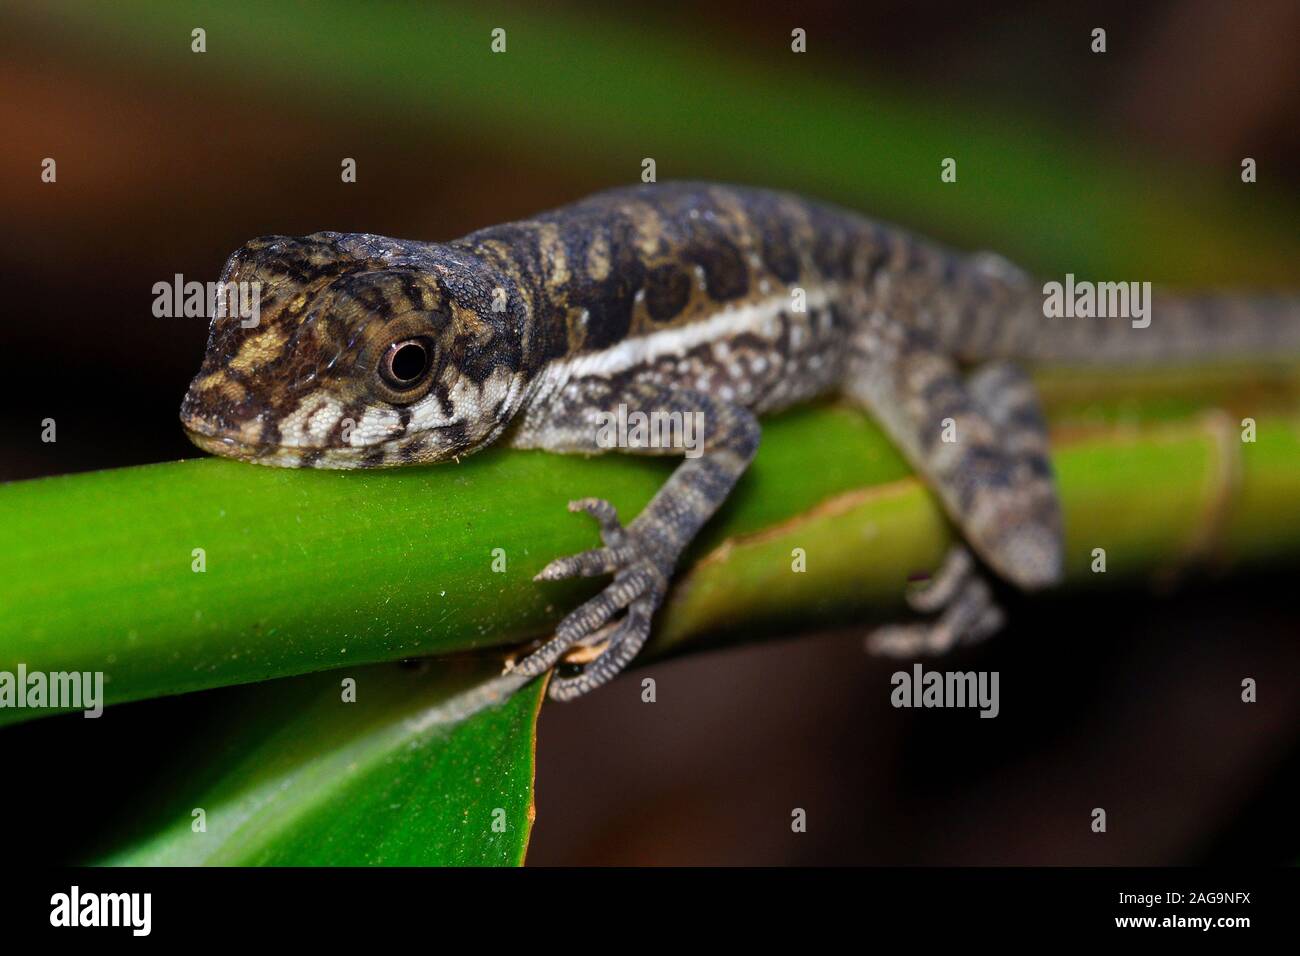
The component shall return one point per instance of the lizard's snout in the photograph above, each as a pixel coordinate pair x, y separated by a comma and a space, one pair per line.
220, 422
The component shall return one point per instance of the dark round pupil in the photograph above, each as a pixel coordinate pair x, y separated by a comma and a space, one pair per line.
408, 361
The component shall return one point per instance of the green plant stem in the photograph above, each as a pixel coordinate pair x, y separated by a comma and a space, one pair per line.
306, 570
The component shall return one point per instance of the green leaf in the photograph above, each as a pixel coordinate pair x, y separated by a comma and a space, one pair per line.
400, 777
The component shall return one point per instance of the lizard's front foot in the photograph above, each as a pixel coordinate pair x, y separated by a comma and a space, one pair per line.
640, 581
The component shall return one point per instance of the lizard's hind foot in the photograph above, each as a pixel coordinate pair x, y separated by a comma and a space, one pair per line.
966, 609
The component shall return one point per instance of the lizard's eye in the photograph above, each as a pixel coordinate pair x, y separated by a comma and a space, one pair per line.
405, 363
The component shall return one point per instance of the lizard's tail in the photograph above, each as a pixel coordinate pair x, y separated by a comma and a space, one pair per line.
1174, 329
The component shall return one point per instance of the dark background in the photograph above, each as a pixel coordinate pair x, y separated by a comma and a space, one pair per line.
1129, 702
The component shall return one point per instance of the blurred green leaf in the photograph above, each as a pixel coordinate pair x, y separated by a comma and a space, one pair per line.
597, 95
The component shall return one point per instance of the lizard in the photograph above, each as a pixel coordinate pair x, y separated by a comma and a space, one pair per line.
720, 301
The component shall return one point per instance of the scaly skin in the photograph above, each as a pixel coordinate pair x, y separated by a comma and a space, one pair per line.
686, 298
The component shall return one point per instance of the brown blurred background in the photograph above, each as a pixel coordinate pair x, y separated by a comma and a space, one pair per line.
166, 163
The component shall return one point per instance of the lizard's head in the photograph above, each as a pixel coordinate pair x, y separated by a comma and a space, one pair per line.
361, 352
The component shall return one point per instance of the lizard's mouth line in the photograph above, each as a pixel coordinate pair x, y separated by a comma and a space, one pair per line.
225, 446
345, 457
